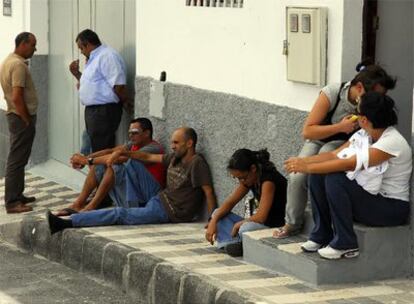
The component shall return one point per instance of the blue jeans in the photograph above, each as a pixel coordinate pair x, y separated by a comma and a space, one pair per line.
86, 147
133, 185
337, 201
140, 184
152, 213
225, 226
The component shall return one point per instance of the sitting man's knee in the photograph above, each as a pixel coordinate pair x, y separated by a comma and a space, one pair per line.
120, 213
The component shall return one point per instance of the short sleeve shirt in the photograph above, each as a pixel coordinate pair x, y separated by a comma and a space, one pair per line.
14, 72
183, 195
345, 107
104, 69
396, 179
276, 216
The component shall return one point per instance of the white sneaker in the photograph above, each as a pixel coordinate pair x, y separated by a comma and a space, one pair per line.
333, 254
310, 246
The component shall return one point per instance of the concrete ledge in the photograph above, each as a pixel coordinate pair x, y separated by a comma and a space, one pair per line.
114, 260
92, 255
377, 260
72, 248
139, 271
231, 297
166, 283
197, 289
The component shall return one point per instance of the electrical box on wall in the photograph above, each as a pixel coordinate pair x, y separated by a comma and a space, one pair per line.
306, 44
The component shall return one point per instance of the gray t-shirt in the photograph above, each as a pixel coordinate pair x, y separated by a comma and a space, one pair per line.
345, 107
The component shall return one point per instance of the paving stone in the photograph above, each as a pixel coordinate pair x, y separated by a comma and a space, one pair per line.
367, 301
231, 297
301, 288
25, 240
10, 232
341, 301
41, 238
72, 243
230, 262
114, 260
197, 290
166, 254
92, 254
262, 274
46, 184
166, 284
32, 178
232, 276
55, 247
204, 250
261, 291
139, 273
409, 297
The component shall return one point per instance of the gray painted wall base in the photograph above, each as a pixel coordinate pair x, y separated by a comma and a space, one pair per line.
384, 254
224, 123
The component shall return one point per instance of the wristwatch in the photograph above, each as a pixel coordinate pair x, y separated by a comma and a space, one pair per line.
90, 161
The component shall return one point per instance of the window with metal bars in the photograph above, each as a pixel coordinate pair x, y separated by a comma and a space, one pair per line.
215, 3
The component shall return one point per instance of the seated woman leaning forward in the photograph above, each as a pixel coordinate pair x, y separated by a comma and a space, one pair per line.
254, 172
366, 180
327, 127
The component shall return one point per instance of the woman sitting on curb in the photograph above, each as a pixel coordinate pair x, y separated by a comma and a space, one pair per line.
328, 126
254, 172
337, 200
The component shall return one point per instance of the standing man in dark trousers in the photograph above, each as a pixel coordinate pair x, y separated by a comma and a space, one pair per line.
102, 89
21, 98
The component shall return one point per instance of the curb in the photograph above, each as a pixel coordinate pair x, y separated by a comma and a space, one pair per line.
144, 277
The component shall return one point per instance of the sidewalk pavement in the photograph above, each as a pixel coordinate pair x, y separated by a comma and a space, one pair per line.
172, 263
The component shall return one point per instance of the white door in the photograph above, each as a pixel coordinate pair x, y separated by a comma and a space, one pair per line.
114, 22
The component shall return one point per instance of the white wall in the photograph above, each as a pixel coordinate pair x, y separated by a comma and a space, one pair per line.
27, 15
236, 50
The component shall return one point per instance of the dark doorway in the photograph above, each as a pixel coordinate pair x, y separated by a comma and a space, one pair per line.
370, 26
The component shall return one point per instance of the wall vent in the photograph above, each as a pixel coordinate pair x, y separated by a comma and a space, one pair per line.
215, 3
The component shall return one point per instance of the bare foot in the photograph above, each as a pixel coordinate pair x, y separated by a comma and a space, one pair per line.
285, 232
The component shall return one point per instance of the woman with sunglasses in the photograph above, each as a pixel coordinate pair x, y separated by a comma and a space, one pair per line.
329, 125
254, 172
337, 200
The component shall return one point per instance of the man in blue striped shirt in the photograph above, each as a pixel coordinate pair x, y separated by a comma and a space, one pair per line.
102, 89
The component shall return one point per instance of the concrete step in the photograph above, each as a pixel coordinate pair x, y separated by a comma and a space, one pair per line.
384, 254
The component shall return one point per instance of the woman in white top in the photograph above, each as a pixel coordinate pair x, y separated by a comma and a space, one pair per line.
327, 127
337, 200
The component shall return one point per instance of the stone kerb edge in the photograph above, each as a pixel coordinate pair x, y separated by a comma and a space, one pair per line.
143, 276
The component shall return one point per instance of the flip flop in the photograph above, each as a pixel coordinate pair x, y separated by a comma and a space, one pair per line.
66, 212
285, 232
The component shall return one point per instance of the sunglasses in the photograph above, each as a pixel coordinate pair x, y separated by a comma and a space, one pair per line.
135, 131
